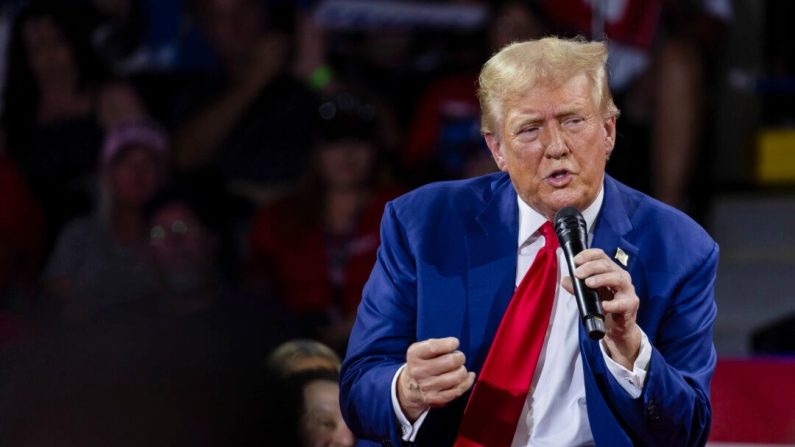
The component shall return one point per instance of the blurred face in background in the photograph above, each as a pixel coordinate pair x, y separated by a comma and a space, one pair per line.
346, 163
49, 53
134, 176
182, 251
514, 22
232, 26
178, 240
322, 424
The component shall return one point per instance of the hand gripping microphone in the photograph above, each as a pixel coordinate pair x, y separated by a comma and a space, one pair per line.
571, 230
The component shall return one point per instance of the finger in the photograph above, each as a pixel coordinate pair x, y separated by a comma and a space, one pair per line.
432, 347
617, 280
619, 306
422, 369
595, 267
439, 398
446, 381
590, 254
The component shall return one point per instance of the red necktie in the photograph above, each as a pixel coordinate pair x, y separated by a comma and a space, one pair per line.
499, 395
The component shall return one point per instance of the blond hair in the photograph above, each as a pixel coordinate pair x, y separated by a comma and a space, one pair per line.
299, 354
520, 66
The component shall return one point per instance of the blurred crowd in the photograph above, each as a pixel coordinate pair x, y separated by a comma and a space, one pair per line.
186, 184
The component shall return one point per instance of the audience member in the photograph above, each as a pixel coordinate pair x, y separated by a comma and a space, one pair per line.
49, 110
300, 355
251, 123
97, 262
313, 249
197, 301
307, 411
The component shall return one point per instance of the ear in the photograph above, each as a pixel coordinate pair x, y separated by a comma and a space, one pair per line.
610, 135
495, 146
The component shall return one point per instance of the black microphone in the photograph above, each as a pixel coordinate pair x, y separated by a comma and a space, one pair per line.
572, 235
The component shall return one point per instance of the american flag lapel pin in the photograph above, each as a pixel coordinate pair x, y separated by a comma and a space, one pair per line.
621, 256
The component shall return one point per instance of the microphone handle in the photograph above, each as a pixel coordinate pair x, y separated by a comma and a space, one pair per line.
587, 298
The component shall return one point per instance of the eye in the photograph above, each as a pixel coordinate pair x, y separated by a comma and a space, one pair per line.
573, 122
328, 424
529, 131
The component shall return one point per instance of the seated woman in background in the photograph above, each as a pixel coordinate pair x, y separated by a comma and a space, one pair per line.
314, 249
307, 412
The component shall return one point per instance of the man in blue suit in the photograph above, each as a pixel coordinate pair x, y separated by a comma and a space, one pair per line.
453, 253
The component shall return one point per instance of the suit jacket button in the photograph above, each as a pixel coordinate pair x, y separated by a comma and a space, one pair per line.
652, 412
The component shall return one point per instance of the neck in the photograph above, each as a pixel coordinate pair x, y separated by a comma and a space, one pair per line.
342, 207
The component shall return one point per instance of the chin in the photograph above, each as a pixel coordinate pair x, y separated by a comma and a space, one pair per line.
562, 200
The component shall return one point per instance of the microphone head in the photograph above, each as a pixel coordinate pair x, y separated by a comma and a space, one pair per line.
569, 224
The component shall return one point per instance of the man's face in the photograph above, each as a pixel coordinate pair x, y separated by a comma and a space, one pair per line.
554, 143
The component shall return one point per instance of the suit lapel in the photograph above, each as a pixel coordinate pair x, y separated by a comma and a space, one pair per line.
491, 268
613, 224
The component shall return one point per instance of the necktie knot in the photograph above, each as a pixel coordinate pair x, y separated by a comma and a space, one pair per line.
550, 238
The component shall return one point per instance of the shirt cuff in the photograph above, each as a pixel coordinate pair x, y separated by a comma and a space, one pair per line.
630, 381
408, 430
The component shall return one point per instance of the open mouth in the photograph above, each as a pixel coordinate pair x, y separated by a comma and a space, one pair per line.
559, 178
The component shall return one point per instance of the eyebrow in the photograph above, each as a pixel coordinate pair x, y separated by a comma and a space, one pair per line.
533, 117
568, 110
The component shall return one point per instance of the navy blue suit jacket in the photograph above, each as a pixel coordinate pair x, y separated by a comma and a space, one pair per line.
447, 267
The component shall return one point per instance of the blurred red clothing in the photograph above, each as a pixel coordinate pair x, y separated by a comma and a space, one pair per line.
21, 242
445, 101
630, 22
289, 245
21, 231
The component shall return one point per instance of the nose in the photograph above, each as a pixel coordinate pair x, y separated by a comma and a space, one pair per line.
553, 141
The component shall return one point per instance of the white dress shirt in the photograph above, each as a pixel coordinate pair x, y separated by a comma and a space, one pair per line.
555, 412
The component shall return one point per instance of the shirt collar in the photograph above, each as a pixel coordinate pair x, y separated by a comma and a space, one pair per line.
531, 220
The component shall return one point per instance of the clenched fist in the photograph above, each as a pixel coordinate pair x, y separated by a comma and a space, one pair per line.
434, 375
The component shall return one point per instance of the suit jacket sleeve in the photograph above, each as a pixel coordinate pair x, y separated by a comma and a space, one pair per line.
674, 407
384, 329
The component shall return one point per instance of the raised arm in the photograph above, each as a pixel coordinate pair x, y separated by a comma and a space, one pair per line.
198, 139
